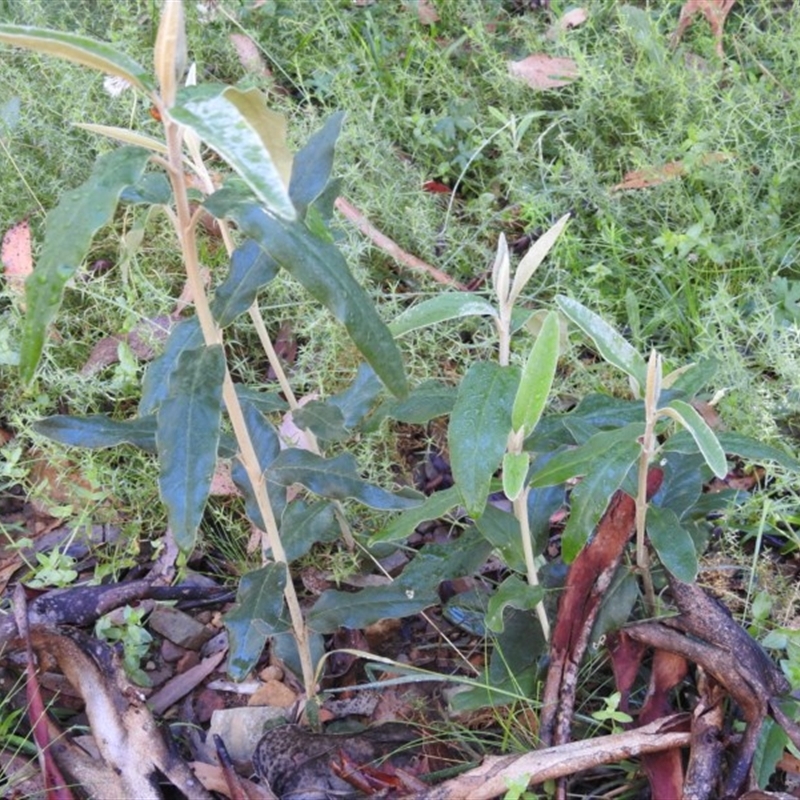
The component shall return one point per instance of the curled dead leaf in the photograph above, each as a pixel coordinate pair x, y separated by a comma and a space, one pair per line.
572, 19
426, 11
541, 71
656, 175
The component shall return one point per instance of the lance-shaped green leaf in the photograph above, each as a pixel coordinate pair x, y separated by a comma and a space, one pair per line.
185, 336
534, 257
312, 165
590, 498
672, 542
169, 53
267, 446
511, 593
322, 270
125, 136
580, 460
356, 400
610, 344
425, 402
259, 603
537, 377
245, 133
79, 49
98, 430
187, 438
69, 229
412, 591
434, 507
706, 439
501, 529
305, 524
336, 478
515, 470
251, 269
323, 419
753, 450
479, 428
450, 305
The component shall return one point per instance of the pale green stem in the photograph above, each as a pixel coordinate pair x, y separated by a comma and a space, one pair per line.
212, 335
521, 513
649, 446
313, 445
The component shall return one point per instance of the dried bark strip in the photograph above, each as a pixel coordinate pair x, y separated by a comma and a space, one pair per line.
589, 578
735, 660
491, 778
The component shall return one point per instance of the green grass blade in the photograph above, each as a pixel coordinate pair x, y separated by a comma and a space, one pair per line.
249, 137
70, 227
80, 49
610, 344
187, 438
537, 377
259, 602
479, 428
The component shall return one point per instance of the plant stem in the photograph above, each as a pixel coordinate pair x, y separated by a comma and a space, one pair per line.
212, 335
649, 444
521, 513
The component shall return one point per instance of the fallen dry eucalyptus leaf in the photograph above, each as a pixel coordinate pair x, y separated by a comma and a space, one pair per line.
16, 255
541, 71
571, 19
656, 175
133, 751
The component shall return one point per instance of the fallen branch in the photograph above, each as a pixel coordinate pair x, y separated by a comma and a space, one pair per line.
492, 778
391, 247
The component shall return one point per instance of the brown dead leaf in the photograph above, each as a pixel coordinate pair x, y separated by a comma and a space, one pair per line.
141, 340
715, 11
249, 55
59, 484
656, 175
222, 484
426, 11
541, 71
16, 255
572, 19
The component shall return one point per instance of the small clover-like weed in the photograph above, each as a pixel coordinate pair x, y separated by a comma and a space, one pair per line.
126, 628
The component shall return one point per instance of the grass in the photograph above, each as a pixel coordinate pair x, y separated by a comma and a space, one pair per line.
688, 266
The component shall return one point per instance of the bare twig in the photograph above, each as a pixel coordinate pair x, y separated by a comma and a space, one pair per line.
492, 778
391, 247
